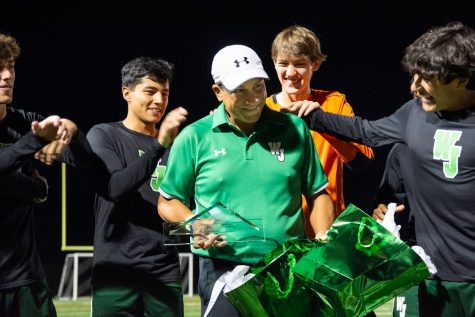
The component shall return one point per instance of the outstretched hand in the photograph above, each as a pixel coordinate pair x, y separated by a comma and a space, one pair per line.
170, 126
301, 108
51, 129
66, 130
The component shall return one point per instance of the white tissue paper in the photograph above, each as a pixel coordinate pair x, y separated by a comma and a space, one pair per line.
388, 221
420, 252
391, 226
237, 278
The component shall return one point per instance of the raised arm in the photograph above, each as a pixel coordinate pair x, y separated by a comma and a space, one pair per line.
115, 180
43, 132
347, 151
379, 132
71, 147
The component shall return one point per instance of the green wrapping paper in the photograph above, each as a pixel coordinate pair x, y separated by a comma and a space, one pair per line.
274, 291
361, 267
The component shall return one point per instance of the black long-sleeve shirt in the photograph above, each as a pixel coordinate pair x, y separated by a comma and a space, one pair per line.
393, 186
17, 154
441, 166
19, 185
128, 230
19, 260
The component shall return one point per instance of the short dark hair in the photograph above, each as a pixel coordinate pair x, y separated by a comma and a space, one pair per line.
444, 52
135, 70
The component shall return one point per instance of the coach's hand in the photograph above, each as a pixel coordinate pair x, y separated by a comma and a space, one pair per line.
204, 236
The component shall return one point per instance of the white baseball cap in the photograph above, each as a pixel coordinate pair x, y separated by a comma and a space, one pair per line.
235, 64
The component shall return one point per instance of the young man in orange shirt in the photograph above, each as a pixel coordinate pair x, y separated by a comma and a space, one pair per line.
297, 56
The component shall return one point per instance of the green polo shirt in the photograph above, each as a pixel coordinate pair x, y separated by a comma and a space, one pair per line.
261, 176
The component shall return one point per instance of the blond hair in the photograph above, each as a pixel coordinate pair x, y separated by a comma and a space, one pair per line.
298, 41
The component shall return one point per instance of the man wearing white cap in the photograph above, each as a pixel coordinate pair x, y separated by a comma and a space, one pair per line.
255, 161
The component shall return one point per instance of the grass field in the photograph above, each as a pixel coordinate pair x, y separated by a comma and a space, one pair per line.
81, 308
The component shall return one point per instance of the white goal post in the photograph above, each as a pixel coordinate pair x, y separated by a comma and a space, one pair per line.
76, 273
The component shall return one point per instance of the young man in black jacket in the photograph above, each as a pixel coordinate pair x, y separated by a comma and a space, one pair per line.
438, 127
23, 288
133, 272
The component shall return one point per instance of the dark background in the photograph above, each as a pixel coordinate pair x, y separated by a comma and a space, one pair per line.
72, 53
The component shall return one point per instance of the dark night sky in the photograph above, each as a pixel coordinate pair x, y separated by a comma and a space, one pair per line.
72, 54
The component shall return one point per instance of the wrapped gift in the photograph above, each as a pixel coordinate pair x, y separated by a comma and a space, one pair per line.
361, 267
273, 289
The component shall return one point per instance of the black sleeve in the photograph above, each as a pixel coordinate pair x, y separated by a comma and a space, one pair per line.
359, 162
21, 120
392, 188
19, 185
16, 155
114, 178
79, 152
379, 132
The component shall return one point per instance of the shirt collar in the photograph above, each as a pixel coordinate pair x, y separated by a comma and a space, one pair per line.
220, 117
268, 116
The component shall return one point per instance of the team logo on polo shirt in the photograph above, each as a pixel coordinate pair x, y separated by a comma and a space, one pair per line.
276, 150
219, 152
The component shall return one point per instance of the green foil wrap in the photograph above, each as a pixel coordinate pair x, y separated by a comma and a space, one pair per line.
274, 291
361, 267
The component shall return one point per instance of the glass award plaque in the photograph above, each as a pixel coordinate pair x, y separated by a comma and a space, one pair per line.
215, 220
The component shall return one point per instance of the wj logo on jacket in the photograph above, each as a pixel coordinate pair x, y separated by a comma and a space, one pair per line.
447, 151
276, 150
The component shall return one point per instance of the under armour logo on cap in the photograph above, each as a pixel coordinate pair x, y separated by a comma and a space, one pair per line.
235, 64
244, 60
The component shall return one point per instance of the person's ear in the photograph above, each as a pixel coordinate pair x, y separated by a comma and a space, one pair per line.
316, 66
126, 93
218, 90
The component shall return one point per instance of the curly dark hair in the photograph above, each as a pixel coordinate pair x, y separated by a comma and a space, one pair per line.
9, 47
444, 53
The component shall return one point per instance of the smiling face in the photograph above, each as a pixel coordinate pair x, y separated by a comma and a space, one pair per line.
436, 95
243, 105
295, 73
147, 102
7, 80
9, 52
